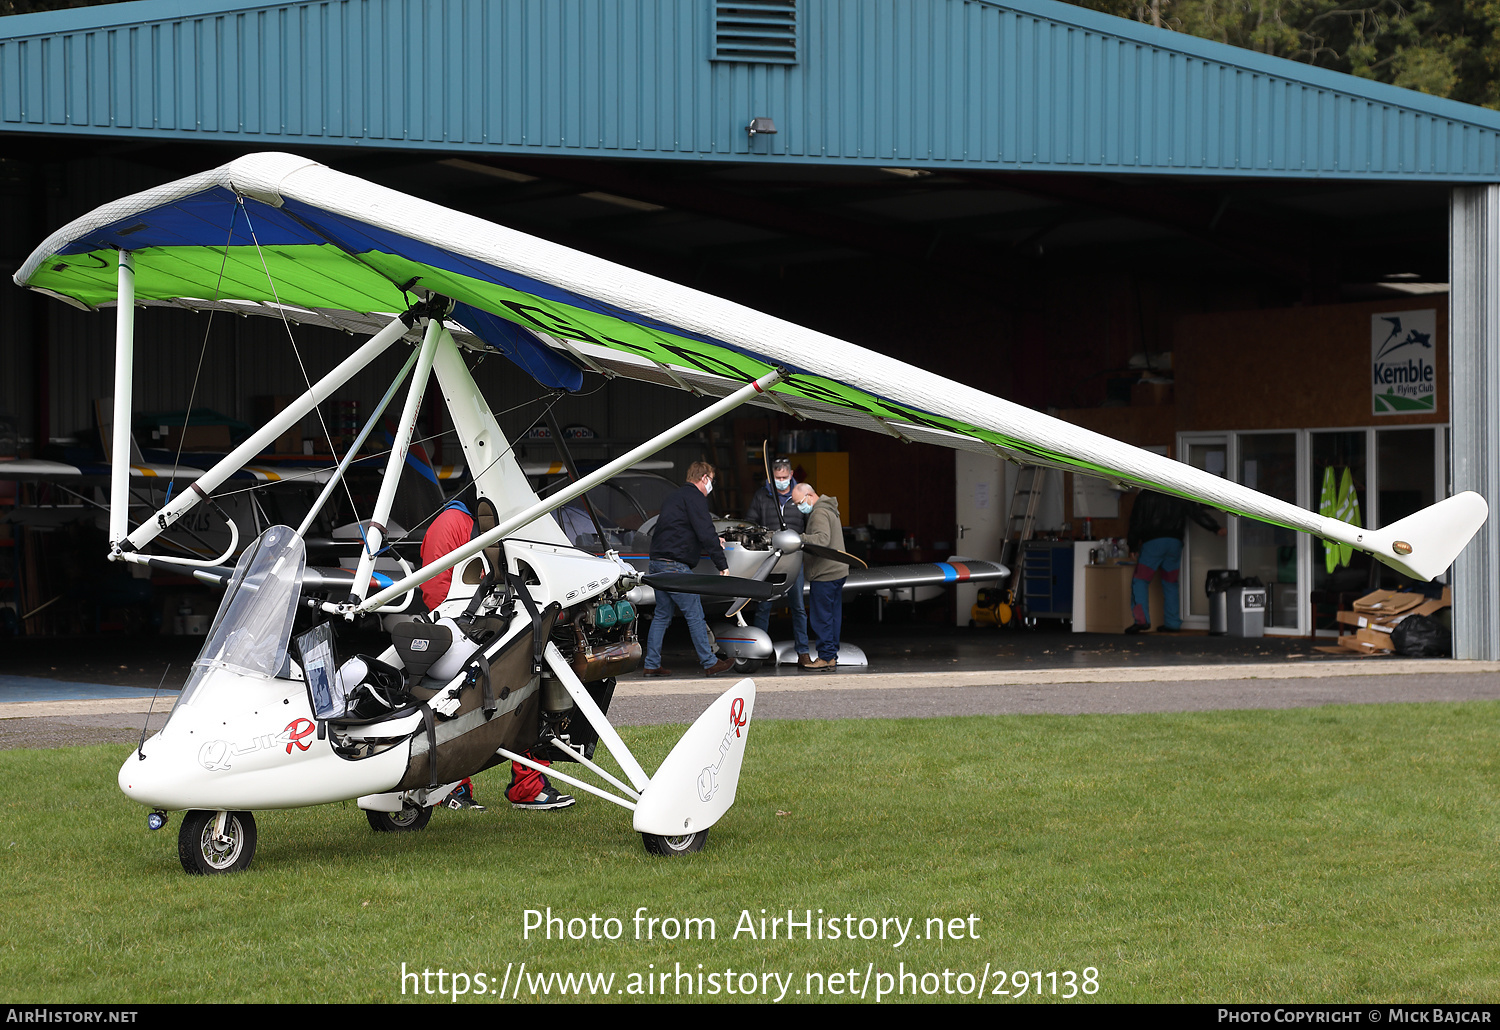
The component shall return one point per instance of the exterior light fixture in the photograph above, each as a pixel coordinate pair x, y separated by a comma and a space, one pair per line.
760, 127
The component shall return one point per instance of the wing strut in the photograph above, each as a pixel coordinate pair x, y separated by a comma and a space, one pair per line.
579, 487
359, 441
258, 441
374, 531
119, 467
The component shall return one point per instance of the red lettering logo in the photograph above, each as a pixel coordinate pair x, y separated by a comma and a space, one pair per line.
737, 714
296, 730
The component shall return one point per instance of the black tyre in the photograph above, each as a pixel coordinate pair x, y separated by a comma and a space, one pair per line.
205, 854
669, 846
410, 819
746, 666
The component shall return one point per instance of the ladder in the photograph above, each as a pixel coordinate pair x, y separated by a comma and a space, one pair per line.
1020, 514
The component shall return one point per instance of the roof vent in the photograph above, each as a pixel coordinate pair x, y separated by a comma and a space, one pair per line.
762, 31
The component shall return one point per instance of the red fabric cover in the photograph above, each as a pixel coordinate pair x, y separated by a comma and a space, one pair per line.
449, 531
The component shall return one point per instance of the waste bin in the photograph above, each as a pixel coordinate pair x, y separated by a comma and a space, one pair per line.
1246, 609
1217, 585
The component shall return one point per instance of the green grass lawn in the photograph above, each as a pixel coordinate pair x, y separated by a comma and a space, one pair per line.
1328, 854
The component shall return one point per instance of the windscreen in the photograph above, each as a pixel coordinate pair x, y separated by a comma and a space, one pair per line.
254, 622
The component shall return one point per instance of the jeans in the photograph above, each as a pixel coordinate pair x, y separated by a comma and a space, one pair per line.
792, 597
668, 605
825, 616
1164, 553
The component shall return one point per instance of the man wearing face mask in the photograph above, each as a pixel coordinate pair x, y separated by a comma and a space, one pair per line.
768, 509
684, 533
825, 577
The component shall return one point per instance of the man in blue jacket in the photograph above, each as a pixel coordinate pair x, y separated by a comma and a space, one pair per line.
684, 533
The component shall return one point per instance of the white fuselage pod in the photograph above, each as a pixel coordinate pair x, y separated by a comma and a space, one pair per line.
246, 741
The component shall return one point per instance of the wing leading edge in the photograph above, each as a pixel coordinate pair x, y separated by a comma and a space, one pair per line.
339, 247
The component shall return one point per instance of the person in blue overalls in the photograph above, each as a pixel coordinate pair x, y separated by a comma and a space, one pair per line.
1157, 523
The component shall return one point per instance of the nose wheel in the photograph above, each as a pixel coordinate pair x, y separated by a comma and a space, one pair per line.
669, 846
410, 819
207, 846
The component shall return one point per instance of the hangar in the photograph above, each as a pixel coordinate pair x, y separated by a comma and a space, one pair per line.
1185, 245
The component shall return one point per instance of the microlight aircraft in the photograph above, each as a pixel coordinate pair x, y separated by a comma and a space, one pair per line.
623, 512
519, 659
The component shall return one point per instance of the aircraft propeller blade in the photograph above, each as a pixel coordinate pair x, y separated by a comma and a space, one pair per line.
833, 553
765, 457
712, 586
760, 575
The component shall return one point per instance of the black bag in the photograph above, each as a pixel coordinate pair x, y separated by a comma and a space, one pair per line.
1423, 636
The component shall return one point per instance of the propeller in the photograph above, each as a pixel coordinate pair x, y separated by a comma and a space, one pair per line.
760, 575
833, 553
765, 457
764, 570
712, 586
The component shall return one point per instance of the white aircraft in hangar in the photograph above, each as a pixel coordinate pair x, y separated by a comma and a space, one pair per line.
516, 658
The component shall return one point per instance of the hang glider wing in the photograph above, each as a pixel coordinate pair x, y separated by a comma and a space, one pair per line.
284, 236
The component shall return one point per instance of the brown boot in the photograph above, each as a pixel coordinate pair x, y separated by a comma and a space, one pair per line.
722, 665
804, 660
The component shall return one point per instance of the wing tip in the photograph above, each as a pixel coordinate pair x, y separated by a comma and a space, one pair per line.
1426, 543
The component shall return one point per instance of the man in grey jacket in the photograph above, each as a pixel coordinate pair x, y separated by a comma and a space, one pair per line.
825, 576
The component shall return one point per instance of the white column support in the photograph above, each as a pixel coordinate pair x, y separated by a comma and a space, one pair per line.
119, 467
607, 735
373, 531
1474, 408
264, 437
487, 452
582, 486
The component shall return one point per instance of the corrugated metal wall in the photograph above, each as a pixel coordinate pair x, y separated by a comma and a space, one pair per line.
971, 83
1474, 331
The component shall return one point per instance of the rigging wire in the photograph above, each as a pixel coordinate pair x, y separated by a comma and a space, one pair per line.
292, 337
373, 455
557, 396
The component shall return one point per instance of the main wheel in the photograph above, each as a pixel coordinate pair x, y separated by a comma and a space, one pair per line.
410, 819
748, 665
203, 853
669, 846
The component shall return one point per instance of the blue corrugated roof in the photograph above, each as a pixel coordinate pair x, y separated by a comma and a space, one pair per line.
1033, 85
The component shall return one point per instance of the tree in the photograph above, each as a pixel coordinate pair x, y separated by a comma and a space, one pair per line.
1449, 48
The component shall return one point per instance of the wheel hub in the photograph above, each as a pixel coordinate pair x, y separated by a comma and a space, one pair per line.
221, 850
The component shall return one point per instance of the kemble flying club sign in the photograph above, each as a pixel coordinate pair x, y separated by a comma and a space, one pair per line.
1403, 362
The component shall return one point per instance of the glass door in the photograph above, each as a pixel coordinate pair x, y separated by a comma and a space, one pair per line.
1203, 550
1268, 462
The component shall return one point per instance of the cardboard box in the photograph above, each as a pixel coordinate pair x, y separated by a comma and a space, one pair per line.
213, 439
1106, 591
1353, 643
1387, 602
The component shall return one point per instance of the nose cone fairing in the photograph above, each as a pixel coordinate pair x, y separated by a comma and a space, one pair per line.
249, 742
